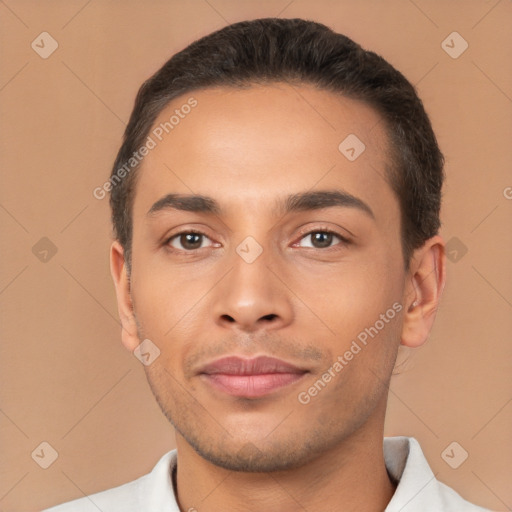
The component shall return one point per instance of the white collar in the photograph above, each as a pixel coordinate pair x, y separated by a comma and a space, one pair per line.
418, 490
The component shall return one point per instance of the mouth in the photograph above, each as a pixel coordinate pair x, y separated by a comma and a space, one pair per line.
250, 378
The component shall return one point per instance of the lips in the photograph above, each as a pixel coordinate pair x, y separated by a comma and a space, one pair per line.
250, 378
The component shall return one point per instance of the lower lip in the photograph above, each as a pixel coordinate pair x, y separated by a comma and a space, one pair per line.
251, 386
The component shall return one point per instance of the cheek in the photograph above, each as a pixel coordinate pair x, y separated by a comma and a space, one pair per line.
349, 297
361, 365
165, 299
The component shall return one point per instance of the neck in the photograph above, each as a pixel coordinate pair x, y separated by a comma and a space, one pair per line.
351, 476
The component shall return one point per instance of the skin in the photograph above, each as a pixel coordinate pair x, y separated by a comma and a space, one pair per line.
301, 301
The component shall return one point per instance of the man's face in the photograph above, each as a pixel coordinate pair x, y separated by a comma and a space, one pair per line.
304, 299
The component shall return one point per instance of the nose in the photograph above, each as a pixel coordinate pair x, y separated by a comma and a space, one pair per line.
252, 297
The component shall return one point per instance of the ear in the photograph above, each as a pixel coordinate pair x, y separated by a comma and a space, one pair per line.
118, 269
425, 283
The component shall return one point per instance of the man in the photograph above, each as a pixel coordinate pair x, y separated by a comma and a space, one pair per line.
276, 211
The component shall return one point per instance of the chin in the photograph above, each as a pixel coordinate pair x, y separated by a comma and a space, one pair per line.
249, 458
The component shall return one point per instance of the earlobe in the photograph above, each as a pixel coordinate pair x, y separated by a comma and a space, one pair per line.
118, 269
423, 291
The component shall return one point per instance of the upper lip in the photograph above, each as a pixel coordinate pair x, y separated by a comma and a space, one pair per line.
234, 365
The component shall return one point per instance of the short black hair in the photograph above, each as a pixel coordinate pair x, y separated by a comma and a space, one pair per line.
296, 51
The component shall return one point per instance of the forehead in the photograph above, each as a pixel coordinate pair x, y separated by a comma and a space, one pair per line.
251, 145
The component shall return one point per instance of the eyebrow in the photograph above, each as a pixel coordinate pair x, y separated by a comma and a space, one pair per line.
302, 201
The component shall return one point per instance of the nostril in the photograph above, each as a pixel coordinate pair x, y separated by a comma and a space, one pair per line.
269, 317
228, 318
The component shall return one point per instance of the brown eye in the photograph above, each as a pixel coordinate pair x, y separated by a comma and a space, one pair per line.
320, 239
188, 241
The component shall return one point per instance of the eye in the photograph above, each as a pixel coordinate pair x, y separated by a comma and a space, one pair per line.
193, 240
321, 239
187, 241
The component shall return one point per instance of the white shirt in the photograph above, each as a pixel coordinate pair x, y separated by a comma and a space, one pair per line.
417, 491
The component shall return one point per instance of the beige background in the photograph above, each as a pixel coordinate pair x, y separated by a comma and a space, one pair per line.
65, 378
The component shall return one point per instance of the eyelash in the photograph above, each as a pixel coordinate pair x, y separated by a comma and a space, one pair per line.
343, 240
